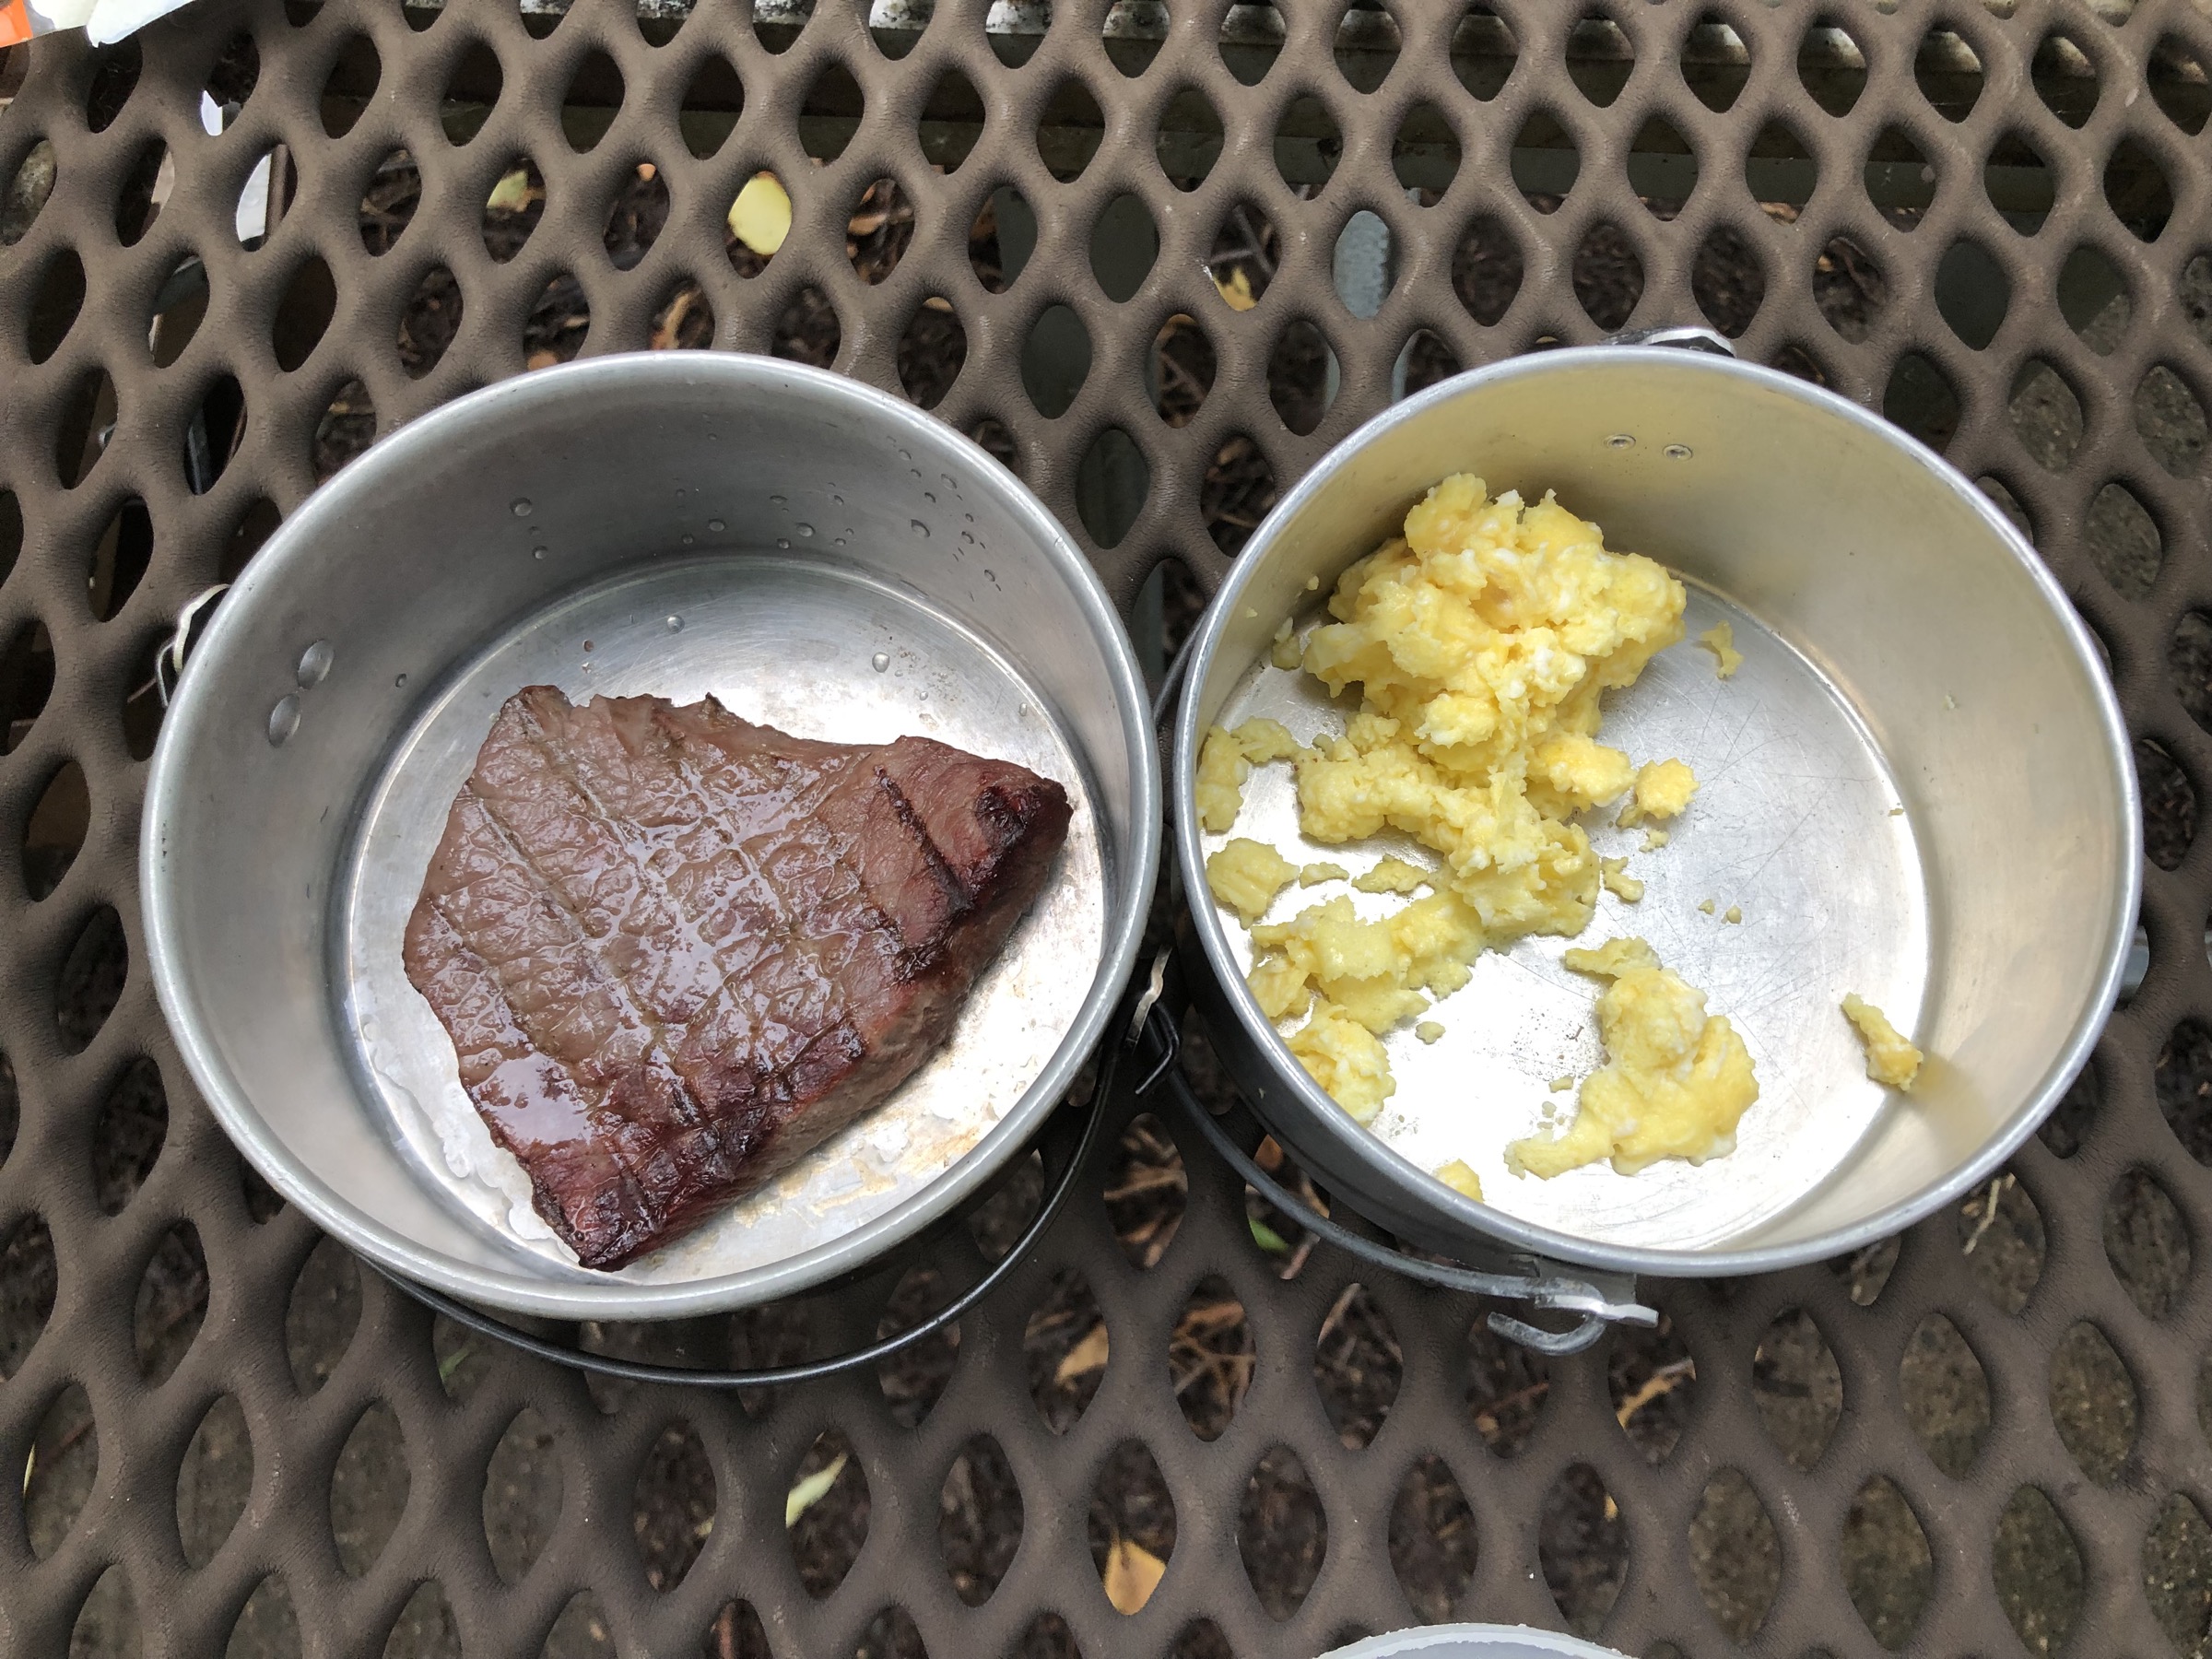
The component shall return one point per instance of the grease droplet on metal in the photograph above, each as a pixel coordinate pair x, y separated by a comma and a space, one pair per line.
688, 538
782, 541
284, 719
675, 625
837, 500
716, 525
1677, 452
804, 529
522, 506
779, 500
1620, 441
537, 552
918, 528
838, 542
880, 662
314, 662
399, 680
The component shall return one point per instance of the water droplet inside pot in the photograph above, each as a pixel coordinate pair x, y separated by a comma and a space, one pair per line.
804, 529
1677, 452
918, 528
930, 496
880, 662
284, 719
314, 662
1620, 441
716, 525
522, 506
399, 680
675, 625
537, 552
779, 501
782, 541
688, 538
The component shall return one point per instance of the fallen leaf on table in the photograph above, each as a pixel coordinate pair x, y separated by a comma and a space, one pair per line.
761, 216
812, 1490
512, 193
1237, 290
1087, 1355
1132, 1573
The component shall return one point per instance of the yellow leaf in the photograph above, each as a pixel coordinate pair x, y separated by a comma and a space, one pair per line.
812, 1490
1087, 1355
1133, 1572
512, 193
761, 216
1237, 290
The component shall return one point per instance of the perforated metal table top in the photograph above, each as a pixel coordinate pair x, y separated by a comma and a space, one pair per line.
1118, 242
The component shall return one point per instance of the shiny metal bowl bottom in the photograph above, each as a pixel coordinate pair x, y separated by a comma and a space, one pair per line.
1917, 788
821, 558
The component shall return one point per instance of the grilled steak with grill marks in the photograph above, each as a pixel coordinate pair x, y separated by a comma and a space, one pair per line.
676, 950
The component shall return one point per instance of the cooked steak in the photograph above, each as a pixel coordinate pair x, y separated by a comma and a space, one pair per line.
676, 950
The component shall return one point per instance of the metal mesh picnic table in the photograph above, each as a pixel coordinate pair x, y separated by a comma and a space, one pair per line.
1158, 258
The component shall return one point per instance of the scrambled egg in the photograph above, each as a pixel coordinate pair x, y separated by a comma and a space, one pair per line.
1226, 760
1314, 875
1246, 874
1719, 639
1394, 874
1460, 1179
1373, 971
1480, 641
1892, 1061
1674, 1083
1346, 1060
1664, 788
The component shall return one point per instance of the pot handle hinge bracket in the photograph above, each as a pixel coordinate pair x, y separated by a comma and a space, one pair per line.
1598, 1300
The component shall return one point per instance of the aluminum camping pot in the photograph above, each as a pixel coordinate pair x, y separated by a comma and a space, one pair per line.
1916, 788
819, 555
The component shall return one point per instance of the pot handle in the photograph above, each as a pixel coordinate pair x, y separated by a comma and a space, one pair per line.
1695, 336
1599, 1298
169, 662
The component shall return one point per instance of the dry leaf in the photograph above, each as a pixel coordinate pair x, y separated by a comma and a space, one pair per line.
1132, 1573
812, 1490
761, 216
1087, 1355
1237, 290
512, 193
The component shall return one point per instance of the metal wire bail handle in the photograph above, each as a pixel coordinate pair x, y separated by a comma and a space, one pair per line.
1600, 1299
169, 662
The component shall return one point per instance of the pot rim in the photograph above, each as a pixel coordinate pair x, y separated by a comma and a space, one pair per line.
1489, 1226
290, 558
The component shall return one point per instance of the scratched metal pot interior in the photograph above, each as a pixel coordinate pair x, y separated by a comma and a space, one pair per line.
818, 556
1916, 788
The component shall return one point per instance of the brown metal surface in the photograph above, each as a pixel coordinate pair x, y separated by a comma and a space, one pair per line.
2042, 182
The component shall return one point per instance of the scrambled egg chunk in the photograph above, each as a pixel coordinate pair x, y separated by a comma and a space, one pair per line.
1664, 788
1892, 1061
1719, 639
1460, 1179
1674, 1083
1226, 760
1246, 874
1346, 1060
1373, 971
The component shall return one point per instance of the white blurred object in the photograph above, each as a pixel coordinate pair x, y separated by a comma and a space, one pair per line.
107, 22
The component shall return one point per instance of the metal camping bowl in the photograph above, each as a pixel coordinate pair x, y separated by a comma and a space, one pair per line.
818, 555
1473, 1641
1916, 788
